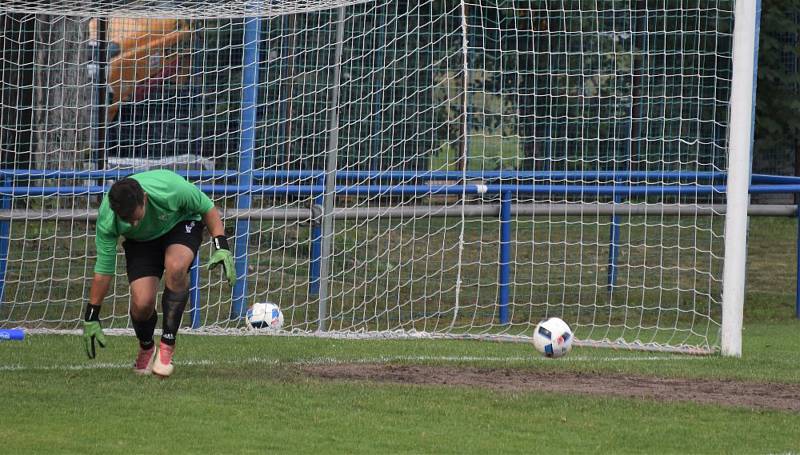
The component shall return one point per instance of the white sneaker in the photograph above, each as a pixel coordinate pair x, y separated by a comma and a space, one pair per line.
144, 361
162, 366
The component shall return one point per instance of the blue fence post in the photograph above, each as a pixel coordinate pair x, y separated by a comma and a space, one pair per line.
5, 229
252, 32
316, 241
797, 268
613, 247
504, 281
194, 292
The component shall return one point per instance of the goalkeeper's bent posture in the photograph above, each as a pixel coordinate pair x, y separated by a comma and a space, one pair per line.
161, 216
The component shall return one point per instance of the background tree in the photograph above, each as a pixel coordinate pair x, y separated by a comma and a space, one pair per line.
62, 95
777, 148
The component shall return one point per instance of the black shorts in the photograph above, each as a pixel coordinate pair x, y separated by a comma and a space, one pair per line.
147, 258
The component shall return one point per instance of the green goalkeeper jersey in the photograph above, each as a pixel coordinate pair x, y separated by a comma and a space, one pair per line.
170, 199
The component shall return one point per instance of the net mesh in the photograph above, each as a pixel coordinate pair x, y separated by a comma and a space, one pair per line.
168, 9
449, 116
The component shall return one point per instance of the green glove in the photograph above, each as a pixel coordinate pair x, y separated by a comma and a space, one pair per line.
91, 332
223, 256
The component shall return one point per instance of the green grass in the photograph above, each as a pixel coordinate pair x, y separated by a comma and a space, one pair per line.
246, 394
771, 269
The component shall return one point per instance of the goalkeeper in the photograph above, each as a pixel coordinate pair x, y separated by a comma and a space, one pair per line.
161, 217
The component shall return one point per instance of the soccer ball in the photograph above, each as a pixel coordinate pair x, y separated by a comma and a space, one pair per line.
264, 316
552, 337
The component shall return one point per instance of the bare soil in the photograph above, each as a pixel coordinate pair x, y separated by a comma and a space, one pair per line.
753, 395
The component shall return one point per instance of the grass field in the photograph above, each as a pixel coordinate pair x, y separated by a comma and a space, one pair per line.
253, 395
246, 394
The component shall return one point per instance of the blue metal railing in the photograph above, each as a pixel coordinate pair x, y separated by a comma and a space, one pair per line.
420, 190
577, 176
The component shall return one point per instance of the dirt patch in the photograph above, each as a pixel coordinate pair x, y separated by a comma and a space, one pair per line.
752, 395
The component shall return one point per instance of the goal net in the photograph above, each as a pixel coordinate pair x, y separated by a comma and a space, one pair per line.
385, 168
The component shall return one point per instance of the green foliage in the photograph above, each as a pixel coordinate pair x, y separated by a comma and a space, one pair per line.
778, 104
580, 87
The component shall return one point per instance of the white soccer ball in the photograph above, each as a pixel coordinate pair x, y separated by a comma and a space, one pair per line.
264, 315
553, 337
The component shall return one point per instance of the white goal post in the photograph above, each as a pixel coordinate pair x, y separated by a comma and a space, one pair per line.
745, 58
395, 168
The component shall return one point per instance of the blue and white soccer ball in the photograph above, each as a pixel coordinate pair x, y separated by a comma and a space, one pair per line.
264, 315
553, 338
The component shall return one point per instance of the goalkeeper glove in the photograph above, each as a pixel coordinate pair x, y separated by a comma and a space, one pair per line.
222, 255
92, 331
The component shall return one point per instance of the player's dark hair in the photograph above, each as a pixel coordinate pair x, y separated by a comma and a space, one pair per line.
125, 196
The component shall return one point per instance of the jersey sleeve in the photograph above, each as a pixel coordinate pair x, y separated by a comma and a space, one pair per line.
193, 200
106, 245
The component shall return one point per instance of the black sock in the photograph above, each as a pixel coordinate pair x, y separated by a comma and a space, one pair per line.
144, 330
172, 304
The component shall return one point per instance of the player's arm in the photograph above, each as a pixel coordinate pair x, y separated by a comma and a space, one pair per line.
100, 285
213, 222
195, 201
103, 273
222, 251
92, 331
